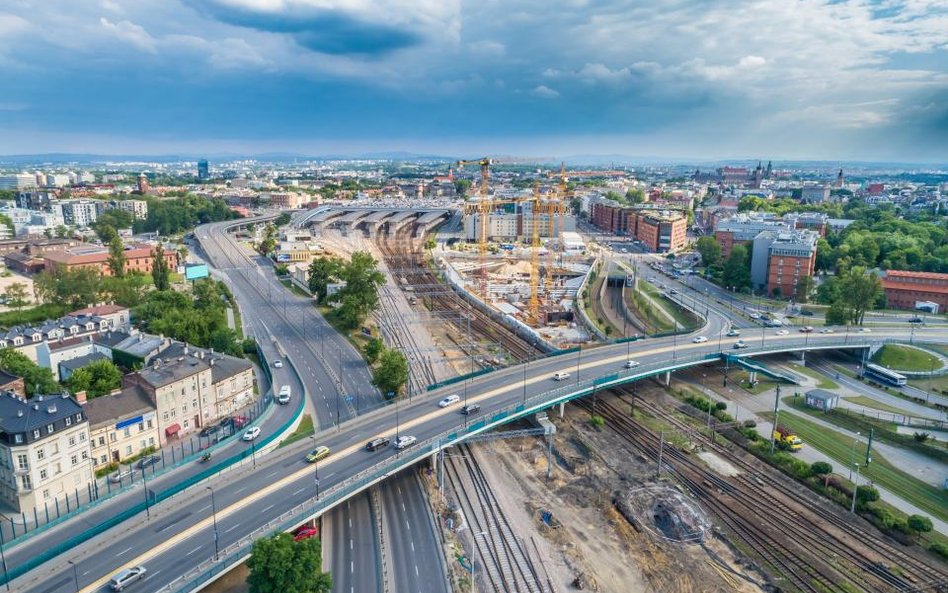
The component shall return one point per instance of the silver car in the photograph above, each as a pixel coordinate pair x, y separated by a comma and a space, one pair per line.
126, 576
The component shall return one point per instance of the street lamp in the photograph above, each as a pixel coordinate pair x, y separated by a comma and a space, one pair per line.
145, 488
75, 575
852, 455
214, 515
852, 507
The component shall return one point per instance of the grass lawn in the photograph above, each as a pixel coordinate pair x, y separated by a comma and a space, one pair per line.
295, 289
685, 320
821, 381
304, 430
927, 498
905, 358
864, 400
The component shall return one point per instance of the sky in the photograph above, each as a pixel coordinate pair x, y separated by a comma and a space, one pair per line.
708, 79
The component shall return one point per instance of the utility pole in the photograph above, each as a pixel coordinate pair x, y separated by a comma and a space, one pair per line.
773, 433
661, 449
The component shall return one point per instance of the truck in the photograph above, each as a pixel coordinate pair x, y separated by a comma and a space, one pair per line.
788, 438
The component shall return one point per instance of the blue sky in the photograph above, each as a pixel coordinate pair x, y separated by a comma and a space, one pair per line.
847, 79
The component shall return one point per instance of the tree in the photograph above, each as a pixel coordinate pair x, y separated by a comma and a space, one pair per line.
919, 523
74, 288
96, 379
710, 250
160, 274
279, 565
821, 468
36, 379
16, 295
63, 231
106, 233
838, 313
7, 222
736, 271
392, 372
360, 295
373, 349
635, 195
117, 258
430, 244
461, 186
283, 219
269, 241
128, 291
804, 288
865, 494
322, 272
859, 290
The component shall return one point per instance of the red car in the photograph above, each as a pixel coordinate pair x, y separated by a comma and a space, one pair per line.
240, 421
304, 532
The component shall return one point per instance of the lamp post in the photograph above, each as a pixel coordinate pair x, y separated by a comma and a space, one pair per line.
316, 467
525, 365
75, 575
852, 507
852, 455
217, 550
145, 488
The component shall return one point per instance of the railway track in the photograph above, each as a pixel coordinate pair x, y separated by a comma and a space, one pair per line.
913, 572
402, 253
505, 563
802, 542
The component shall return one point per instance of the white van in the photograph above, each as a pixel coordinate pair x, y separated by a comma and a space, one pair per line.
284, 395
561, 376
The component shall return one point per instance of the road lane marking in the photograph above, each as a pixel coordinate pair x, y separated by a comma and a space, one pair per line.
232, 528
194, 550
266, 509
125, 551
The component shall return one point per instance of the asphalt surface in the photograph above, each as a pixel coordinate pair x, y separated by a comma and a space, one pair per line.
248, 500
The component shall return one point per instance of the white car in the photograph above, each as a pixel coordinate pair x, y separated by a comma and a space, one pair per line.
404, 441
755, 315
700, 340
733, 332
450, 400
278, 364
631, 364
252, 433
827, 330
126, 576
865, 330
782, 332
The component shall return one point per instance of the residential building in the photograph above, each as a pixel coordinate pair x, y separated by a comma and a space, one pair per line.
17, 181
44, 451
138, 258
143, 186
68, 367
904, 289
780, 259
12, 383
121, 424
57, 180
138, 208
193, 387
85, 178
510, 222
119, 317
815, 193
287, 200
35, 200
80, 213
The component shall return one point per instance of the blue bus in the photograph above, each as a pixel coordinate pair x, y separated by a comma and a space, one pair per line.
884, 375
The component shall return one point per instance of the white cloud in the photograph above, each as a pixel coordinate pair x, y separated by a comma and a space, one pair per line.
544, 92
130, 33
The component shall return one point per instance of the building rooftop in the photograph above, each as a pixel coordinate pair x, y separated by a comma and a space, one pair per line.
81, 361
140, 345
129, 402
99, 310
894, 274
821, 394
24, 416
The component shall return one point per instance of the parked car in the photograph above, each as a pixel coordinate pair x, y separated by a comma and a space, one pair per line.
449, 401
209, 430
126, 576
631, 364
278, 364
240, 421
700, 340
806, 312
378, 443
404, 441
470, 409
252, 433
147, 461
317, 454
304, 532
121, 475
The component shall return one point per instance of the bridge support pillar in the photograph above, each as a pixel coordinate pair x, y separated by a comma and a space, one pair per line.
562, 409
753, 377
803, 357
549, 455
668, 379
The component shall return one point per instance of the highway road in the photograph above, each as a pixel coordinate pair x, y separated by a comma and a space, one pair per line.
249, 500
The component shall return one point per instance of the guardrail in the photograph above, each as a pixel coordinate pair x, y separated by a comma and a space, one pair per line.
157, 497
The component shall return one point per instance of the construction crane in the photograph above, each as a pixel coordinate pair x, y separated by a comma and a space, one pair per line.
534, 311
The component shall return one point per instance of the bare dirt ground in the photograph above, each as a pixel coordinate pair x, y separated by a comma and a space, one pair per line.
234, 581
591, 545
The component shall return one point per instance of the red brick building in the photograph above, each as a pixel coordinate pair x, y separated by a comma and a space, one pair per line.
903, 289
661, 231
138, 259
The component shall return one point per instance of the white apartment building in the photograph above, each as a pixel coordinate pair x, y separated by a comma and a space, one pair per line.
138, 208
17, 181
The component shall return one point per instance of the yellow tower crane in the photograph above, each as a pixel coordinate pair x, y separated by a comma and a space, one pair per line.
534, 311
484, 208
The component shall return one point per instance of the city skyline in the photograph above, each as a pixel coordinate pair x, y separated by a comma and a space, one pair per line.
683, 80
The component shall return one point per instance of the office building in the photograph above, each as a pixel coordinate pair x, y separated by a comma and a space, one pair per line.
780, 258
741, 229
44, 451
204, 171
17, 181
907, 290
662, 231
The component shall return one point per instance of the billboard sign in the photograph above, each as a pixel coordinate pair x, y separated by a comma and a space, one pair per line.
195, 271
